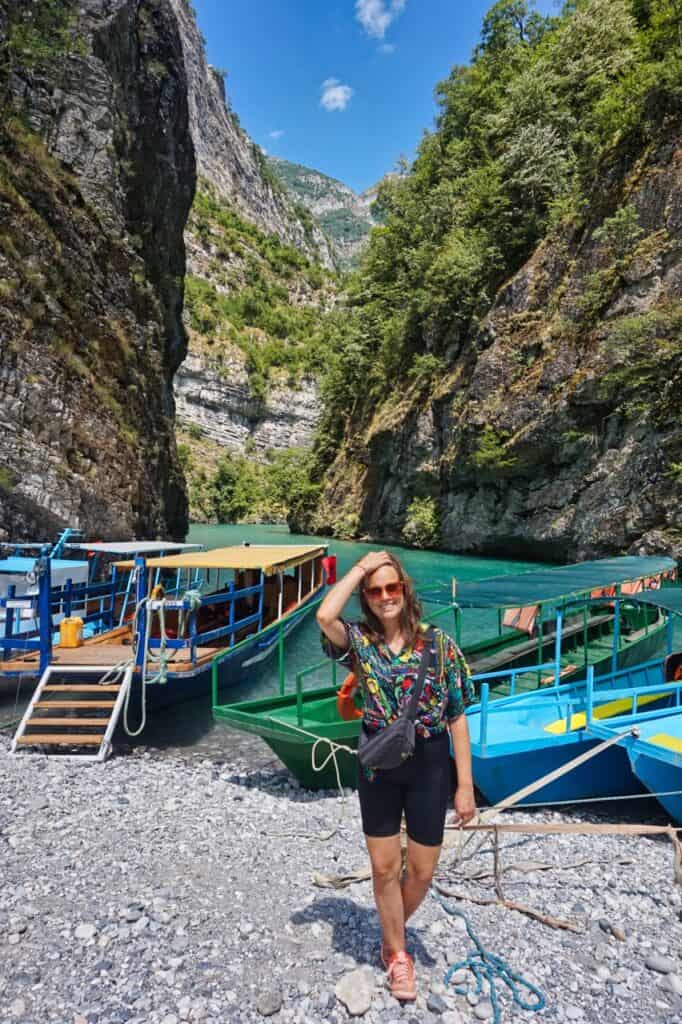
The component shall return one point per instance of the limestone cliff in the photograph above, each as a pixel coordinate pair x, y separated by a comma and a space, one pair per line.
97, 174
230, 160
345, 217
552, 431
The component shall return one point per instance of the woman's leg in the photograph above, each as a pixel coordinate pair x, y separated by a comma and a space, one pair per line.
419, 869
426, 802
384, 855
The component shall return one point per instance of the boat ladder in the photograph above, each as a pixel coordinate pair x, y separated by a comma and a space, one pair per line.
72, 718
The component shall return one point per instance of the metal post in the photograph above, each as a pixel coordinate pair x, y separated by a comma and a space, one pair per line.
9, 619
232, 613
299, 700
112, 603
458, 626
540, 642
140, 595
261, 598
214, 682
280, 656
589, 703
616, 635
669, 633
499, 622
585, 657
44, 608
299, 573
485, 693
557, 649
281, 595
67, 598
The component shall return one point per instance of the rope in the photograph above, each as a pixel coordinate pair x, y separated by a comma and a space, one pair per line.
487, 967
334, 747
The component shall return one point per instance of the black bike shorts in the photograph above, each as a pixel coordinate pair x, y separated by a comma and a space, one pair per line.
422, 788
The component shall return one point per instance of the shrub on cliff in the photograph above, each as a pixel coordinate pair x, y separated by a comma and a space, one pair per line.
422, 524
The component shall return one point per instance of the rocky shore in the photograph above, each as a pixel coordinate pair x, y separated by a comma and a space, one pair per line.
159, 891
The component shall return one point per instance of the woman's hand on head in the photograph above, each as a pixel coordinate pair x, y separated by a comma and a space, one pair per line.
372, 561
465, 804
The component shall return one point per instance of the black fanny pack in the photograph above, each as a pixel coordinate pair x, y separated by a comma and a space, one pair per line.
394, 744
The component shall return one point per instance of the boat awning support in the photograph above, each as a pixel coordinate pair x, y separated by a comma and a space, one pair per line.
44, 608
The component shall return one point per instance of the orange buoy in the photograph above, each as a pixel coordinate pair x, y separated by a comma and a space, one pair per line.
345, 699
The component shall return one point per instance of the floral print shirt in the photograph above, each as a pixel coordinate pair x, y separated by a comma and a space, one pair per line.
387, 679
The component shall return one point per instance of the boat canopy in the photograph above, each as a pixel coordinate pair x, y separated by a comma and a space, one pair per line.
24, 564
669, 599
268, 558
133, 547
559, 584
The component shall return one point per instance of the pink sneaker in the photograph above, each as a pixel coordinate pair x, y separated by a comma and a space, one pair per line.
402, 977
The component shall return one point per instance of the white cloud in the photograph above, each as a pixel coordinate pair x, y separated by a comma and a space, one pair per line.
386, 48
276, 134
376, 15
335, 96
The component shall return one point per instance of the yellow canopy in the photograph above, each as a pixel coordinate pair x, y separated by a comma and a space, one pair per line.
270, 558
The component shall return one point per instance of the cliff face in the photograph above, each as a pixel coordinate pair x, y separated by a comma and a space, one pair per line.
93, 199
553, 431
255, 284
230, 160
219, 401
345, 217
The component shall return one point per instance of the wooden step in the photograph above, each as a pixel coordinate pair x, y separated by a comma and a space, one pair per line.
65, 721
57, 705
82, 688
57, 740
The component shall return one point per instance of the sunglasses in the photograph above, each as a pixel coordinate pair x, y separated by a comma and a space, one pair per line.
390, 590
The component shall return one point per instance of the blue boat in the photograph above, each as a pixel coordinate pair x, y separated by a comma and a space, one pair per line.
654, 749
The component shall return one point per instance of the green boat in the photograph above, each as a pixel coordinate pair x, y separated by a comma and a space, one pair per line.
580, 615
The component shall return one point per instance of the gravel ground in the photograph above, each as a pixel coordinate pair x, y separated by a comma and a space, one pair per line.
155, 890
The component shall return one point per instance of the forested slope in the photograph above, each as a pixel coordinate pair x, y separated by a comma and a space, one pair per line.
506, 372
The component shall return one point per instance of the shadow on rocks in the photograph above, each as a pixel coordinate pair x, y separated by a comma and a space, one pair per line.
355, 929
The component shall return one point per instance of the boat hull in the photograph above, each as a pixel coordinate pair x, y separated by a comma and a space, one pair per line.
660, 776
607, 774
232, 666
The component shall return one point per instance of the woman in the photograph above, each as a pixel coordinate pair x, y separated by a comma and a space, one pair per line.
385, 651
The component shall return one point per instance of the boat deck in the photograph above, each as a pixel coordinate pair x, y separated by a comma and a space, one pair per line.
106, 655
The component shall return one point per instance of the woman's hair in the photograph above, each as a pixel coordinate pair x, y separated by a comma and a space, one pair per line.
410, 615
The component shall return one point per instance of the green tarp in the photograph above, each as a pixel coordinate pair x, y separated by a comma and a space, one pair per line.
669, 599
556, 585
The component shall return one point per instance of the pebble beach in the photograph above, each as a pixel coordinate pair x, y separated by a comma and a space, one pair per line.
159, 890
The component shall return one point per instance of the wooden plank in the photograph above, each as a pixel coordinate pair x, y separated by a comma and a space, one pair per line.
56, 739
82, 688
66, 721
57, 705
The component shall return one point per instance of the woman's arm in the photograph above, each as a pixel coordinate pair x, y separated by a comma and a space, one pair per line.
329, 612
465, 805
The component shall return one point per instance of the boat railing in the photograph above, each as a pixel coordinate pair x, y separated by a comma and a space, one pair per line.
635, 693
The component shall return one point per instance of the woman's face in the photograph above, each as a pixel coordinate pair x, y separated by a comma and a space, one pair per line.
384, 593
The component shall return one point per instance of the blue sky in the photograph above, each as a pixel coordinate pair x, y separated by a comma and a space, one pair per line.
344, 86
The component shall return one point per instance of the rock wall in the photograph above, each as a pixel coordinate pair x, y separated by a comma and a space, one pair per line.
219, 401
554, 433
93, 200
229, 159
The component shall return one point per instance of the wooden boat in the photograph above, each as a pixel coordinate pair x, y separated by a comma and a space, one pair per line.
586, 619
175, 648
89, 587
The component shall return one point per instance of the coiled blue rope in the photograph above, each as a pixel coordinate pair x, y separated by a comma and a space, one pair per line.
486, 966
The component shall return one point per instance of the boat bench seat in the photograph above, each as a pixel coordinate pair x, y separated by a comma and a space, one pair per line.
664, 739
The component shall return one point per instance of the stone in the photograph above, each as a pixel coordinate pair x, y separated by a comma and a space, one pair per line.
355, 991
18, 1008
85, 932
672, 983
269, 1002
483, 1010
435, 1003
170, 1018
661, 964
452, 1017
573, 1013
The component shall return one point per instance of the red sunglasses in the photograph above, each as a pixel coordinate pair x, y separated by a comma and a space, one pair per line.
391, 590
